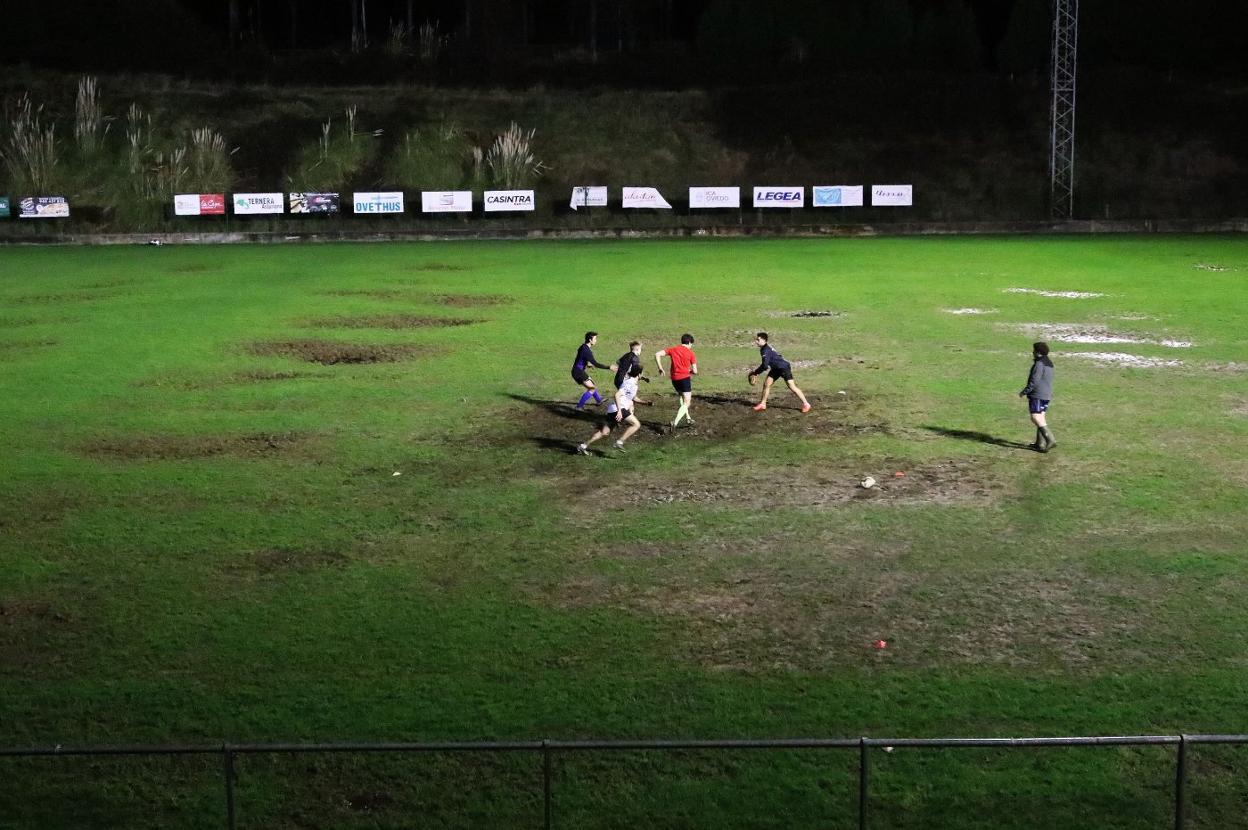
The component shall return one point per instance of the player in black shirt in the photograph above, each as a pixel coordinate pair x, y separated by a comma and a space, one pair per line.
774, 366
580, 369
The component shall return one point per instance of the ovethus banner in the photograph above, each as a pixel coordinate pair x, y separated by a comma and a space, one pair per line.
315, 203
43, 207
779, 197
714, 197
250, 204
372, 202
496, 200
836, 195
892, 194
588, 197
5, 210
446, 201
199, 204
644, 197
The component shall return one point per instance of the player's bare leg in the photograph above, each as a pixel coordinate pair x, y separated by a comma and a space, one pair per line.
685, 399
793, 388
762, 403
583, 449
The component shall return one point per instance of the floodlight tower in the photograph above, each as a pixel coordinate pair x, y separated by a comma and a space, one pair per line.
1062, 108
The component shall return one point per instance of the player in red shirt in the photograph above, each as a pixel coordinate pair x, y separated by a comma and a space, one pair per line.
684, 367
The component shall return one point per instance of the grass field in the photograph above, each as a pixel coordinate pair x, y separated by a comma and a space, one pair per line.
323, 493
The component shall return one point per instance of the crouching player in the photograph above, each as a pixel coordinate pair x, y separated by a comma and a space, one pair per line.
774, 366
619, 413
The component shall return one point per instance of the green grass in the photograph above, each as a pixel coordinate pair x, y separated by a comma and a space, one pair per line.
203, 541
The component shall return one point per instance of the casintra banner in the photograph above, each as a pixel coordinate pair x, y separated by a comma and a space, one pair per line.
372, 202
251, 204
446, 201
836, 195
892, 195
501, 200
714, 197
779, 197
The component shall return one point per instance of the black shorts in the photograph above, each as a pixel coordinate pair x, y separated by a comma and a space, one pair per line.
609, 423
776, 373
580, 375
683, 386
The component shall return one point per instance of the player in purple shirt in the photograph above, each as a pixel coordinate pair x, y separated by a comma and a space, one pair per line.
580, 369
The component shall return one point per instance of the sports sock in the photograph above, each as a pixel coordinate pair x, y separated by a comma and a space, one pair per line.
597, 397
585, 398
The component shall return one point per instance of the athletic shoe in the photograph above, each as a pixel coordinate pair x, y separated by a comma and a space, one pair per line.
759, 407
582, 449
619, 446
805, 407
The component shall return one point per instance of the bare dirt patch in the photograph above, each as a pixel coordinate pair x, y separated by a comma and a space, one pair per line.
194, 268
1123, 359
374, 293
64, 297
1086, 333
814, 313
969, 310
331, 353
16, 611
25, 345
1240, 409
283, 560
389, 321
473, 300
1067, 295
182, 447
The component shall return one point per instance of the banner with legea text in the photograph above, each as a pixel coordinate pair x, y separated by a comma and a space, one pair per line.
446, 201
714, 197
892, 195
500, 200
779, 197
252, 204
836, 195
370, 202
595, 196
644, 197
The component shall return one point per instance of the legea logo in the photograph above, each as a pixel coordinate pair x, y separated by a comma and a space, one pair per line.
780, 196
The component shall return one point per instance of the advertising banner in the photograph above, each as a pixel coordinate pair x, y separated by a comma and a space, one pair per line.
893, 195
315, 203
250, 204
186, 204
779, 197
836, 195
43, 207
714, 197
496, 200
446, 201
644, 197
5, 210
588, 197
199, 204
212, 204
371, 202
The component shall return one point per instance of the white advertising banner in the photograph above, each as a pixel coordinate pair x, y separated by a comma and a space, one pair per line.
896, 195
186, 204
779, 197
714, 197
498, 200
254, 203
446, 201
836, 195
588, 197
644, 197
371, 202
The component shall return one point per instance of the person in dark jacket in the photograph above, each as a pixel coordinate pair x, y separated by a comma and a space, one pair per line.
580, 369
775, 367
1039, 391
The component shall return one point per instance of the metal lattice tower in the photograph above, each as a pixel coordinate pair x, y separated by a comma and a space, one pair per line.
1062, 110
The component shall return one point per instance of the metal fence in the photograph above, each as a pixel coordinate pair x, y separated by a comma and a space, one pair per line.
548, 749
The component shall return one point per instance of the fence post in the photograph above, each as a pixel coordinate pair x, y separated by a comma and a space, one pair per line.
227, 766
1180, 785
863, 782
546, 800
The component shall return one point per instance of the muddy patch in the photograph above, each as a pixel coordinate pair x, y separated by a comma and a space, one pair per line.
1084, 333
194, 268
389, 321
237, 379
1240, 409
969, 310
10, 346
804, 313
184, 447
1134, 361
14, 612
373, 293
473, 300
64, 297
285, 560
331, 353
1068, 295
